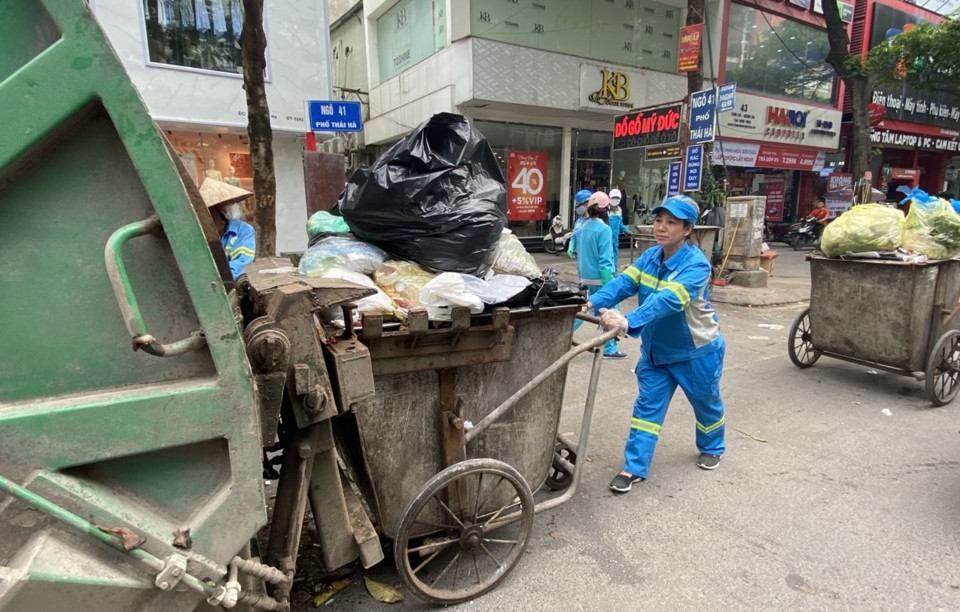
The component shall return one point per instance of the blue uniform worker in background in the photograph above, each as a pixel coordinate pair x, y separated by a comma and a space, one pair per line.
580, 210
237, 237
681, 341
595, 264
617, 226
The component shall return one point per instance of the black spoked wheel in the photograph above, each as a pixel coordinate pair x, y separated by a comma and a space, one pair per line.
560, 475
464, 531
943, 369
800, 342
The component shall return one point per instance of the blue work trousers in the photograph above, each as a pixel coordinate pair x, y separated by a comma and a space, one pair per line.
700, 380
610, 346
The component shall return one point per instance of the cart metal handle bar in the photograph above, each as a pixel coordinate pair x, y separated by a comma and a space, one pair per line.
127, 301
564, 359
584, 428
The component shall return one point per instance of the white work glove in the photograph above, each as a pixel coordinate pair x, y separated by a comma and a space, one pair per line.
613, 319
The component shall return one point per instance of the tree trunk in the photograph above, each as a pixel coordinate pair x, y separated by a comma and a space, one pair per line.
253, 44
850, 68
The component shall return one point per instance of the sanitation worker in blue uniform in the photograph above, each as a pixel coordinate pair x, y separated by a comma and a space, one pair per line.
237, 237
580, 210
595, 264
680, 336
617, 226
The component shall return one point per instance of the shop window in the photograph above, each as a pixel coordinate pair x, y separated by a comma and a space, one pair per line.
198, 34
401, 42
532, 172
776, 56
640, 33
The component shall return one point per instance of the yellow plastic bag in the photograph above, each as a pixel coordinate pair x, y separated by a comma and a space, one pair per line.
932, 228
867, 227
402, 281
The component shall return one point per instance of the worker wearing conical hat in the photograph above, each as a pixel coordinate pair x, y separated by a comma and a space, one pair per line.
237, 237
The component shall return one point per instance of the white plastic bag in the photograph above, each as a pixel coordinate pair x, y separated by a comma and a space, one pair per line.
451, 289
512, 258
379, 302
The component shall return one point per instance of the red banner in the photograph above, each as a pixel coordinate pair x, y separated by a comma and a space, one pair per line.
526, 185
775, 193
688, 56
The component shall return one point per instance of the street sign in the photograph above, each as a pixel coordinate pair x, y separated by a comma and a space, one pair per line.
673, 179
726, 97
703, 115
693, 167
334, 116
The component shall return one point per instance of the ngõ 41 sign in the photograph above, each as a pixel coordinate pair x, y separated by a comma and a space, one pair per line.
526, 185
648, 127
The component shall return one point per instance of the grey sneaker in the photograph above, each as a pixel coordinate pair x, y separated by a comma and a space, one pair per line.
622, 483
708, 462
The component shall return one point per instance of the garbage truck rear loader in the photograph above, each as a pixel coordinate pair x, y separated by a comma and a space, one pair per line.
132, 423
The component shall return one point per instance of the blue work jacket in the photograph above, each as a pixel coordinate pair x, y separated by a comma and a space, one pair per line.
595, 262
240, 245
674, 320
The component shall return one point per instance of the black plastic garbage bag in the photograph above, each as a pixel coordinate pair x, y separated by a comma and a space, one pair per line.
437, 198
549, 290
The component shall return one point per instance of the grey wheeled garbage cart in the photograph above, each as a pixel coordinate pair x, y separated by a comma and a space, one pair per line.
462, 431
891, 315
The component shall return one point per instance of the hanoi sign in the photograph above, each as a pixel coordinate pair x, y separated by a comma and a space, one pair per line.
334, 116
648, 127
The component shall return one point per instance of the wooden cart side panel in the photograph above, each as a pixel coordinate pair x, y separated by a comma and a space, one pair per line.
873, 311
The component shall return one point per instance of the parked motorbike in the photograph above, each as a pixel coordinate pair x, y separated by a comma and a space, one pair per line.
556, 240
803, 234
643, 216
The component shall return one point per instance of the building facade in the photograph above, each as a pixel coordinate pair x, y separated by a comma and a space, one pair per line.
542, 81
184, 58
919, 130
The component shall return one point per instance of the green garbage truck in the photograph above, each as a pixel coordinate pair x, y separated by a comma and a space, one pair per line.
134, 412
145, 394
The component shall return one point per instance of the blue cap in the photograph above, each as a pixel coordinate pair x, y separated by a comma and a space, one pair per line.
582, 196
681, 207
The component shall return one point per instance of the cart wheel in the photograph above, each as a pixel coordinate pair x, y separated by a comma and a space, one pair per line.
479, 513
943, 369
559, 477
799, 342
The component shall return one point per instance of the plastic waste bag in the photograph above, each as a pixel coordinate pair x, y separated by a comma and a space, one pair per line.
437, 198
932, 228
512, 258
322, 222
402, 281
549, 290
866, 227
341, 252
451, 289
379, 302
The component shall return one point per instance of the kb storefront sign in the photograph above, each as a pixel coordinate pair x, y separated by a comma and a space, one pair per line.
648, 127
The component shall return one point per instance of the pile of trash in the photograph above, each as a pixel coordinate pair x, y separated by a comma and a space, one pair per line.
425, 227
930, 230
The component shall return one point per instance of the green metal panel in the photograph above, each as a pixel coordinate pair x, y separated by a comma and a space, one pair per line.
120, 438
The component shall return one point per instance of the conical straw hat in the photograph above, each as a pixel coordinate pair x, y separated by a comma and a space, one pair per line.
217, 192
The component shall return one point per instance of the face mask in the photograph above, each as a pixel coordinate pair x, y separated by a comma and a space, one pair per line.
580, 210
233, 211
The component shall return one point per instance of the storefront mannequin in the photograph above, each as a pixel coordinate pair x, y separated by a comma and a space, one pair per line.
212, 171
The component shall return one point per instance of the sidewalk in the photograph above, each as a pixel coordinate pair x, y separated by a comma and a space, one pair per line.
790, 283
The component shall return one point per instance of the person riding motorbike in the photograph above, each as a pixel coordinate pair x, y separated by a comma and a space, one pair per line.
821, 214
